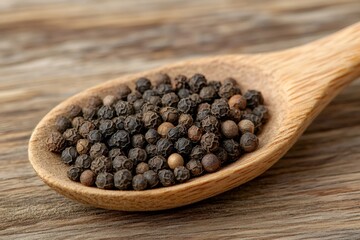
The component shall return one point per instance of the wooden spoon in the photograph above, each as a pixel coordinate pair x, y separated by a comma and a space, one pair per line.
296, 84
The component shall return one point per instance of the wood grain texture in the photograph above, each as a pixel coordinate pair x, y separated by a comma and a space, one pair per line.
50, 51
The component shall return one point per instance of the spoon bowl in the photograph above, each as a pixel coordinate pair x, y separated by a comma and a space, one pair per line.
296, 84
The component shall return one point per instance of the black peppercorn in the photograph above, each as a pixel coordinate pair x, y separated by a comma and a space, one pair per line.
164, 147
151, 119
120, 139
77, 122
262, 112
119, 122
186, 105
210, 124
137, 155
148, 94
157, 163
132, 97
197, 152
253, 98
106, 112
210, 142
94, 136
176, 132
232, 148
235, 114
163, 89
138, 140
105, 180
83, 161
166, 177
97, 150
215, 84
151, 178
169, 114
101, 164
221, 155
197, 82
220, 108
74, 173
210, 162
183, 93
142, 84
181, 81
207, 93
170, 99
195, 167
123, 108
139, 182
201, 115
55, 142
85, 128
151, 150
155, 100
122, 179
195, 98
132, 124
151, 136
62, 123
114, 152
71, 135
107, 127
183, 146
149, 107
227, 90
68, 155
138, 104
122, 162
182, 174
186, 120
249, 142
73, 111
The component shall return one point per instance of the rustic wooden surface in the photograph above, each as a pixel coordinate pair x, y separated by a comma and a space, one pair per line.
52, 50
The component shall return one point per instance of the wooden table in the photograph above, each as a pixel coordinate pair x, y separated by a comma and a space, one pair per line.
50, 50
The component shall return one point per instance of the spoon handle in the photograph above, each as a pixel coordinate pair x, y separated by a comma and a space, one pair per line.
328, 64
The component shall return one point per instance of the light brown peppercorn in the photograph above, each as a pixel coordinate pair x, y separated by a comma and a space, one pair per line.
139, 182
249, 142
235, 114
229, 129
93, 102
164, 128
142, 167
77, 122
246, 126
71, 135
87, 178
210, 162
85, 128
123, 91
169, 114
203, 106
73, 111
109, 100
55, 142
175, 160
237, 101
186, 120
194, 133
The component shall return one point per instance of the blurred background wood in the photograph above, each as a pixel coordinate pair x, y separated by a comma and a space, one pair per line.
50, 50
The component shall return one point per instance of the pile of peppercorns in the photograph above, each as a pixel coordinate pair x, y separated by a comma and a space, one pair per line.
158, 135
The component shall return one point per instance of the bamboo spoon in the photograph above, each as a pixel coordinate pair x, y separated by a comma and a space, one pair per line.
296, 83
